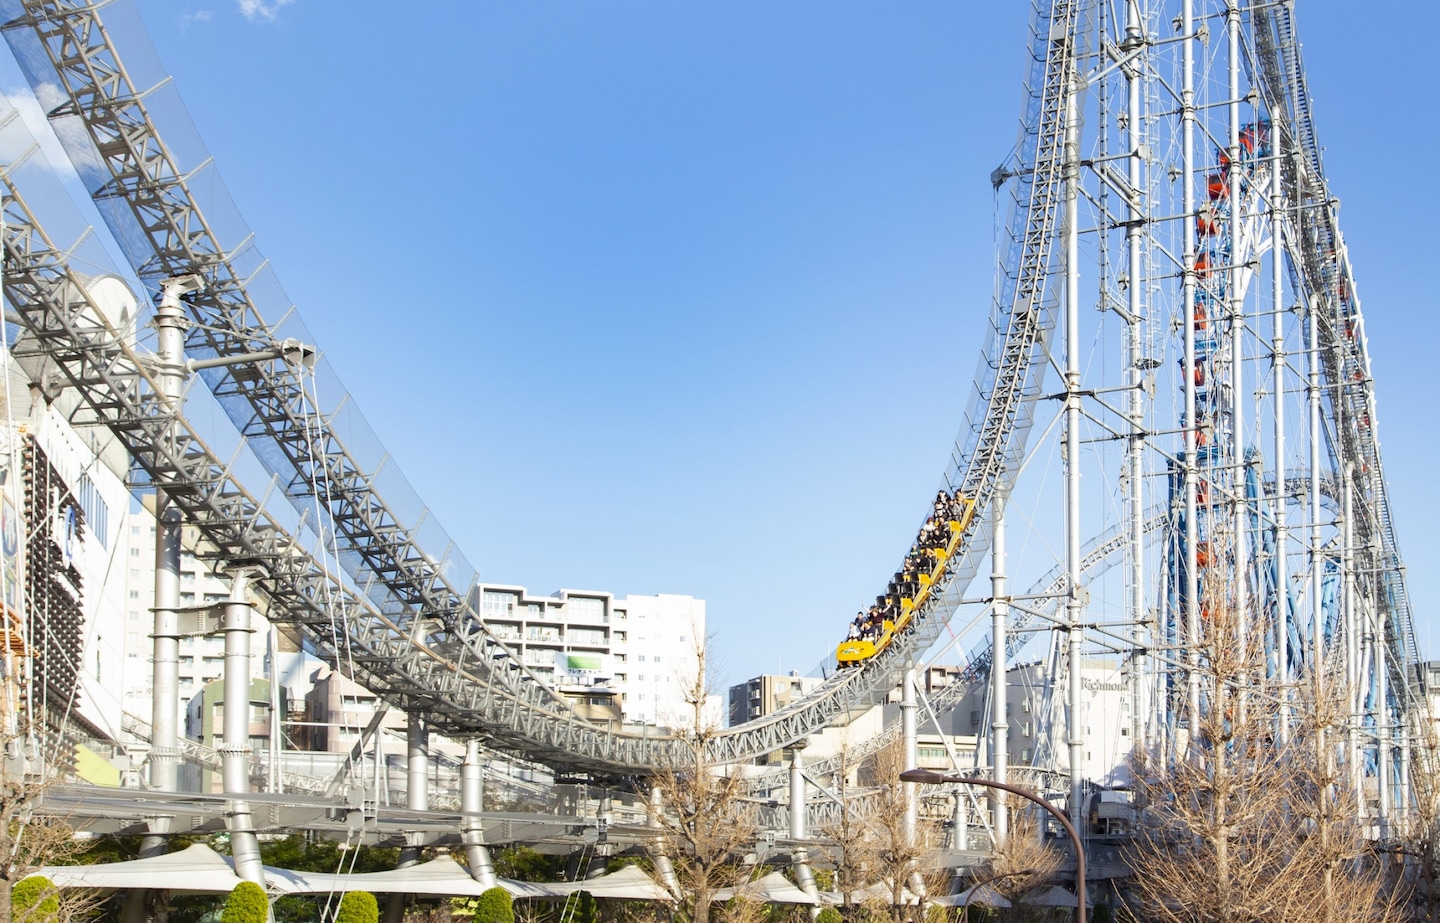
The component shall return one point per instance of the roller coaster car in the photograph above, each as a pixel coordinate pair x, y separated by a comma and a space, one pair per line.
853, 653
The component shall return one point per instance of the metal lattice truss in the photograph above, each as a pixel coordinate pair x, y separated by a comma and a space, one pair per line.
1344, 353
415, 638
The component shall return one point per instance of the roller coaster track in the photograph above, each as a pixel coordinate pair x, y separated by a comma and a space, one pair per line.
407, 618
1343, 350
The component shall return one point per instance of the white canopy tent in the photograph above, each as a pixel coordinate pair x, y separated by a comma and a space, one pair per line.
628, 884
197, 869
774, 888
442, 877
978, 896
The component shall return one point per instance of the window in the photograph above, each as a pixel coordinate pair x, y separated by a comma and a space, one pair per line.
641, 658
97, 514
975, 716
134, 594
585, 608
497, 603
134, 552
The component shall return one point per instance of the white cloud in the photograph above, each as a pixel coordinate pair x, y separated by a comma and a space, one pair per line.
197, 16
260, 10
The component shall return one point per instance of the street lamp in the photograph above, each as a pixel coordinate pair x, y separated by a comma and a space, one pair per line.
936, 778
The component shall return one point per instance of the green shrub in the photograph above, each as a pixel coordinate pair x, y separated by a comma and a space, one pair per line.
586, 910
34, 900
494, 906
358, 907
247, 904
829, 915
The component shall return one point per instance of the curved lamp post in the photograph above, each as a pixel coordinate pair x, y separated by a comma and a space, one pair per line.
938, 778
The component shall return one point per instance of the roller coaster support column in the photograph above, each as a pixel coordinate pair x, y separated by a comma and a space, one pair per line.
799, 799
1000, 724
1074, 606
170, 323
663, 867
472, 802
235, 750
908, 707
417, 798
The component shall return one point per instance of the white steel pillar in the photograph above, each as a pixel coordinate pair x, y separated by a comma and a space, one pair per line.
663, 866
1235, 310
235, 750
1074, 605
472, 802
1000, 723
799, 801
1135, 337
1282, 486
910, 740
164, 759
1351, 630
1191, 591
417, 798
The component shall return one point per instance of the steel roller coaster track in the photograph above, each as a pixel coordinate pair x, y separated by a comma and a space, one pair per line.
411, 631
404, 602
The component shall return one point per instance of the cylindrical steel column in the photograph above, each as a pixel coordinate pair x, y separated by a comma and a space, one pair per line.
663, 867
235, 748
799, 800
1074, 605
472, 802
999, 688
908, 730
417, 798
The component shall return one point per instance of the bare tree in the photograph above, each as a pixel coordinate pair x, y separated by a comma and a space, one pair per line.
854, 837
707, 824
1021, 864
1418, 870
1243, 817
897, 849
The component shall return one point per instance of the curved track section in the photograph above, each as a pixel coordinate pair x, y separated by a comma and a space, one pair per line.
404, 600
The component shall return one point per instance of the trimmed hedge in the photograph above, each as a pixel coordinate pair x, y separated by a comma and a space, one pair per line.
586, 910
246, 904
358, 907
34, 900
494, 906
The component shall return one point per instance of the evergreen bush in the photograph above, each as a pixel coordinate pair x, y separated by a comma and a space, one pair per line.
586, 910
34, 900
358, 907
829, 915
494, 906
247, 904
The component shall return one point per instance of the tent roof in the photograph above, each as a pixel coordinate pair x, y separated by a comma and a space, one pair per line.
774, 888
628, 884
983, 895
195, 869
1053, 896
442, 876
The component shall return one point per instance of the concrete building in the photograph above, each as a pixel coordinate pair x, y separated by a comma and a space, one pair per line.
205, 721
337, 711
764, 695
639, 652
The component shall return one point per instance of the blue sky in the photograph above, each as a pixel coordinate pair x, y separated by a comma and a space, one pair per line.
674, 298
